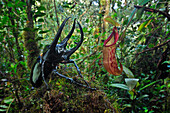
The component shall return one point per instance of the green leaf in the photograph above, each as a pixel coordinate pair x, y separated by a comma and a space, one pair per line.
5, 19
21, 4
122, 44
143, 96
27, 29
39, 38
41, 32
2, 110
39, 14
66, 6
166, 62
142, 26
40, 20
127, 105
122, 86
128, 72
123, 34
9, 4
131, 82
148, 85
111, 21
148, 22
41, 8
3, 106
8, 101
168, 85
142, 2
12, 65
140, 12
151, 45
131, 16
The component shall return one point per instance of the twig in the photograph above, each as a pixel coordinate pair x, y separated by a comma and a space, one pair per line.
154, 11
121, 38
2, 73
56, 14
150, 49
7, 111
87, 57
95, 60
156, 29
85, 10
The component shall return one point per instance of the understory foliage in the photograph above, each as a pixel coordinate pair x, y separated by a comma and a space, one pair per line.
143, 48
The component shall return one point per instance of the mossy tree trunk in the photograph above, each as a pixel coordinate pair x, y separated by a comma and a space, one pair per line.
29, 36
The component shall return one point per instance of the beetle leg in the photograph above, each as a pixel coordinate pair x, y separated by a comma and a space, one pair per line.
71, 80
78, 70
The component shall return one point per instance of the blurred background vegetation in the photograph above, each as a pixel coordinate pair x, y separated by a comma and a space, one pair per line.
27, 26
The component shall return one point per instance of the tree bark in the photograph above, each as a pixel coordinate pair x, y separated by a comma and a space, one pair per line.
29, 37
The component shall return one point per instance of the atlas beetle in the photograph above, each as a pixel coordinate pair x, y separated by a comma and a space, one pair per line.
46, 63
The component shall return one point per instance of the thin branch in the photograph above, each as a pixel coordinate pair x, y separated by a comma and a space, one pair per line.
58, 24
1, 73
15, 30
150, 49
154, 11
85, 10
86, 57
121, 38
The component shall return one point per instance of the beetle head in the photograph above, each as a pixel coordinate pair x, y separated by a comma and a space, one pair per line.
58, 52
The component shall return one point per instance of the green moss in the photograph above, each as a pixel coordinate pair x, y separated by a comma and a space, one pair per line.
81, 100
31, 46
70, 98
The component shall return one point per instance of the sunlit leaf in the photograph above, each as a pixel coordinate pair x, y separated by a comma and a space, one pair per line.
128, 72
2, 110
148, 23
166, 62
168, 85
131, 82
148, 85
3, 106
122, 86
143, 96
127, 105
142, 26
8, 101
12, 65
111, 21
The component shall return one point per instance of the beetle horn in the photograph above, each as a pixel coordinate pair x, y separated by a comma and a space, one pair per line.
55, 41
71, 51
64, 42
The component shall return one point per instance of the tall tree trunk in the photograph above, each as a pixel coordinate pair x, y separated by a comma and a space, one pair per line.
15, 32
29, 37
